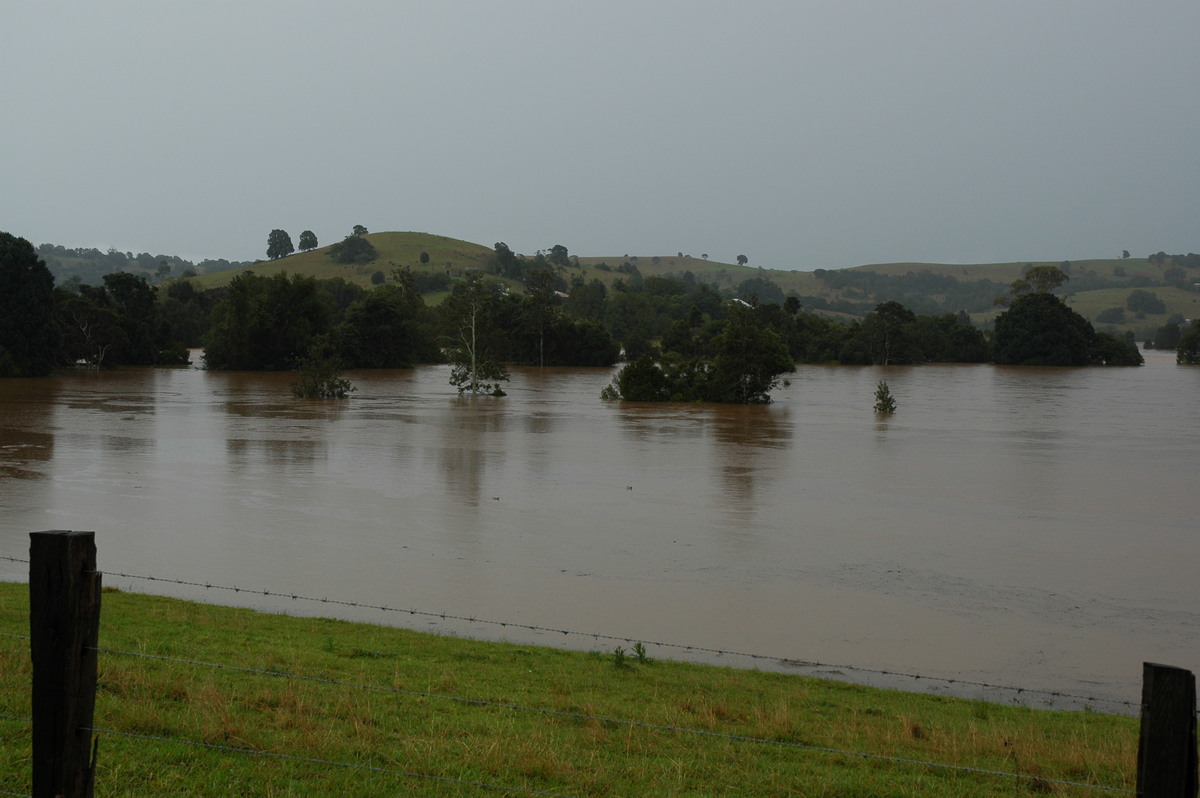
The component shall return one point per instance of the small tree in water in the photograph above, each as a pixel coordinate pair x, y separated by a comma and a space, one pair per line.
885, 403
473, 367
321, 375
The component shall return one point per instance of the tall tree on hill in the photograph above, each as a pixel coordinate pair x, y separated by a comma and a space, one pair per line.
28, 333
279, 244
353, 249
559, 256
308, 240
505, 262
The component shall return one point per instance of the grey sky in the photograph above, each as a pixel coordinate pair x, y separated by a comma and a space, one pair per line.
803, 134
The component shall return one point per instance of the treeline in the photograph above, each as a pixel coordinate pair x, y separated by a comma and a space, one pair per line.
922, 292
707, 346
86, 265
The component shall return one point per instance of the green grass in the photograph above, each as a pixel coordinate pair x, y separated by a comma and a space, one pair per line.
445, 707
395, 249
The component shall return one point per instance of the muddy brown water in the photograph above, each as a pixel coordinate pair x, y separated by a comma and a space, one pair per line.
1026, 527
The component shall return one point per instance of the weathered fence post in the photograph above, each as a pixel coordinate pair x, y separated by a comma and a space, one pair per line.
64, 623
1167, 746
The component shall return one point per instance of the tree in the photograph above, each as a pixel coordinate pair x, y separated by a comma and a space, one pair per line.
1167, 336
321, 374
1040, 330
308, 241
559, 256
742, 260
359, 230
539, 307
90, 328
353, 249
133, 301
473, 365
1188, 352
424, 257
279, 244
384, 329
639, 381
266, 323
751, 358
1124, 254
885, 332
1109, 350
29, 336
885, 403
1037, 280
505, 262
1143, 302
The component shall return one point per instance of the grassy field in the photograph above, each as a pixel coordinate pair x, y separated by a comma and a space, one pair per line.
382, 711
395, 249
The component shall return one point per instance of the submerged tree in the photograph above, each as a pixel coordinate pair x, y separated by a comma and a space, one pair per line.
28, 332
473, 364
320, 373
1188, 351
1040, 330
885, 403
748, 362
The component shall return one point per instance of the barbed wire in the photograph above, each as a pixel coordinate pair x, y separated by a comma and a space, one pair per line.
605, 719
13, 559
786, 661
326, 762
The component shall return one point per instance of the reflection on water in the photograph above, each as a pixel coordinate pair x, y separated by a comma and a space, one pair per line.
466, 452
1028, 526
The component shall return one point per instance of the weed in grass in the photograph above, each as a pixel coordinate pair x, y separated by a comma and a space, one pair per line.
619, 659
639, 651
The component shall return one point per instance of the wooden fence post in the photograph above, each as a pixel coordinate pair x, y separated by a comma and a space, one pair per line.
64, 624
1167, 745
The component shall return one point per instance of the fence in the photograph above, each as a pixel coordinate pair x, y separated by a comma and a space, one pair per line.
65, 591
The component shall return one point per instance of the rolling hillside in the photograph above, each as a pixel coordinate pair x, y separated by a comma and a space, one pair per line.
1095, 286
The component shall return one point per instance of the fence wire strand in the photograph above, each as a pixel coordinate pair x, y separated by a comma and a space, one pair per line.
787, 661
741, 738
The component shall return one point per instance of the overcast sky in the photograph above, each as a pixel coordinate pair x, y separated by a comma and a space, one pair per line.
802, 134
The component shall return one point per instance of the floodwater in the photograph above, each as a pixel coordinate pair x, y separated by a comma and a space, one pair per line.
1011, 526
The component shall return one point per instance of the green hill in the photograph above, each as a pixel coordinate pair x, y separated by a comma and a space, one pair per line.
395, 250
